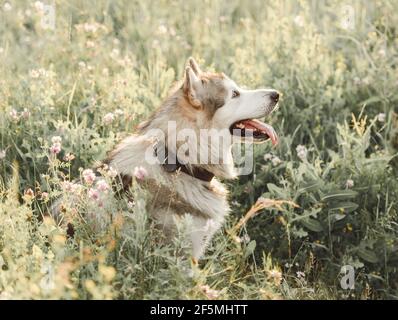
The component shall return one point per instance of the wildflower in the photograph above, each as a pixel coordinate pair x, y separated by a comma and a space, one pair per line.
34, 74
382, 53
28, 195
88, 176
112, 173
14, 115
298, 21
115, 53
93, 194
69, 157
90, 44
119, 112
381, 117
55, 148
300, 274
25, 113
2, 154
39, 6
162, 29
82, 65
349, 184
210, 293
71, 187
108, 118
276, 275
268, 156
56, 139
7, 6
140, 173
44, 196
276, 161
102, 186
302, 152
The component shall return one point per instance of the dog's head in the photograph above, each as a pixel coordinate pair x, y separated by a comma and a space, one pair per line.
225, 105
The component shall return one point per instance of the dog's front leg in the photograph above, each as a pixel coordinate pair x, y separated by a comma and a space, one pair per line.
202, 232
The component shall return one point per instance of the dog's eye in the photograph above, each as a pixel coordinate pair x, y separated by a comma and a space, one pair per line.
235, 94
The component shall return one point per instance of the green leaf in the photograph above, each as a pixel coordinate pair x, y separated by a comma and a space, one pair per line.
367, 255
311, 186
345, 206
275, 190
250, 248
312, 224
339, 195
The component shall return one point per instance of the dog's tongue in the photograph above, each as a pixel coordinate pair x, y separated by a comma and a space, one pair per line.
264, 128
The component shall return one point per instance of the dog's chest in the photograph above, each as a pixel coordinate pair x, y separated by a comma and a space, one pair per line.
184, 196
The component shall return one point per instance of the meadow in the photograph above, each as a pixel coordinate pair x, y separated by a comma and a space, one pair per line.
78, 76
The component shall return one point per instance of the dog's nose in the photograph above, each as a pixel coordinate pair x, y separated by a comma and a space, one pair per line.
274, 96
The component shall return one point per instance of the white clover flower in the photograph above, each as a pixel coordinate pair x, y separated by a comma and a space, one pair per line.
90, 44
25, 113
349, 183
56, 139
34, 73
108, 118
7, 6
82, 65
69, 157
14, 115
268, 156
39, 6
115, 53
88, 176
302, 152
140, 173
276, 161
55, 148
276, 275
357, 81
102, 186
112, 173
72, 187
162, 29
119, 112
299, 21
381, 117
300, 274
93, 194
210, 293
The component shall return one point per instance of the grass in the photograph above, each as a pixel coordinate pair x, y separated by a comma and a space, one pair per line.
106, 65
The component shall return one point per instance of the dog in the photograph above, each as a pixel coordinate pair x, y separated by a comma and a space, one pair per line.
201, 101
172, 149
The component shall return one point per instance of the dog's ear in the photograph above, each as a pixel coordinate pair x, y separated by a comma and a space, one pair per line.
191, 86
194, 65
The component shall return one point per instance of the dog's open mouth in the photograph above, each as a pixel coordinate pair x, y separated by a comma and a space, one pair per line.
260, 131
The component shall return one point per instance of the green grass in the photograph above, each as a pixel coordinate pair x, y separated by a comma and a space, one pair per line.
121, 57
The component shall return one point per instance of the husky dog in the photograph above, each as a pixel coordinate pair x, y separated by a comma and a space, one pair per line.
181, 180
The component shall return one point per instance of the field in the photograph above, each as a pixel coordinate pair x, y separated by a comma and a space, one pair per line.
77, 77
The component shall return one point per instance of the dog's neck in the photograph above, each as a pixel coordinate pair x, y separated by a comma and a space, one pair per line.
170, 163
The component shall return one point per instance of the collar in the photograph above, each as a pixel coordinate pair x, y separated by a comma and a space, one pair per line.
196, 172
